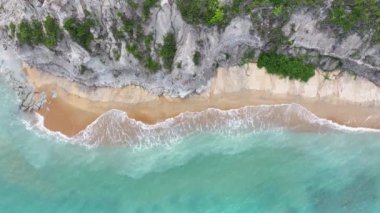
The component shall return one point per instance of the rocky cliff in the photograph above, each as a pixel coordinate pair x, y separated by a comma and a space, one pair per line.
115, 43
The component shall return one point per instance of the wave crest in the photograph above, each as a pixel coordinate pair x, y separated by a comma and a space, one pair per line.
115, 127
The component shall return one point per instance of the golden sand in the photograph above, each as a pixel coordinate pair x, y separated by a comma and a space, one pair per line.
338, 97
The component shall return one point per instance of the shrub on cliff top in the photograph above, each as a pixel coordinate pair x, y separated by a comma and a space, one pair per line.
168, 50
24, 32
80, 31
53, 32
152, 65
358, 15
293, 68
209, 12
147, 5
30, 33
37, 35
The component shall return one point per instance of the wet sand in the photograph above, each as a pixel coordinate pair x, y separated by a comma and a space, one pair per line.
71, 109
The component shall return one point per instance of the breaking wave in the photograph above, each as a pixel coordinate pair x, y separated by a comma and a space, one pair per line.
116, 128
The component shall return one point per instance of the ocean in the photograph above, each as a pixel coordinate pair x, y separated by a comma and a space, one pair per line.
238, 168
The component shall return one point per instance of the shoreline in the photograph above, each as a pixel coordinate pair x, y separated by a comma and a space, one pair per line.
71, 108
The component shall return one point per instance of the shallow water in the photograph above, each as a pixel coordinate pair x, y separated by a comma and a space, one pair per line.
271, 170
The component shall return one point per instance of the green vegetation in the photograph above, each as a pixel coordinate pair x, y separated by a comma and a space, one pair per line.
213, 13
133, 4
37, 35
197, 58
80, 31
148, 41
138, 44
277, 38
237, 5
147, 5
152, 65
53, 32
24, 34
30, 33
293, 68
168, 50
248, 57
359, 15
35, 32
118, 34
278, 9
209, 12
12, 28
129, 25
350, 14
376, 37
133, 49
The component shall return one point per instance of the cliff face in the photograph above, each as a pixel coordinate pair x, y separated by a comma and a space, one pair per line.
114, 58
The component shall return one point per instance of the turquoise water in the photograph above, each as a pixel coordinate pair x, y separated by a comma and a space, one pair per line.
265, 171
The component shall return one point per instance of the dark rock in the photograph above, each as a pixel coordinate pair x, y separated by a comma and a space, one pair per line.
327, 63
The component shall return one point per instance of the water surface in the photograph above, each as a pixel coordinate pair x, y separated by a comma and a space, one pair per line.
271, 170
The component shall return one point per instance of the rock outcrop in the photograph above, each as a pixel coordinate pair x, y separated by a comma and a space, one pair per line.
29, 99
306, 35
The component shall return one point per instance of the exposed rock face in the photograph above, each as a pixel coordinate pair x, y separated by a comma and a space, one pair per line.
30, 100
223, 47
356, 54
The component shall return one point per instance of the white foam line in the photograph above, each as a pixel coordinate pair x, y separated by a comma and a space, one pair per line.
80, 138
185, 114
336, 125
39, 128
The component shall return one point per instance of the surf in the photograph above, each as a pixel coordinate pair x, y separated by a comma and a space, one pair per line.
115, 127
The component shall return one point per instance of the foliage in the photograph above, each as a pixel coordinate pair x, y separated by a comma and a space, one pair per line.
24, 33
279, 6
376, 37
133, 49
293, 68
213, 13
128, 25
277, 38
37, 35
236, 5
138, 44
53, 32
209, 12
359, 15
168, 50
148, 41
80, 31
35, 32
133, 4
197, 58
278, 10
147, 5
118, 34
152, 65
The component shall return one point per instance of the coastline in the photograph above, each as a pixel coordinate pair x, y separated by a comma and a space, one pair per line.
339, 97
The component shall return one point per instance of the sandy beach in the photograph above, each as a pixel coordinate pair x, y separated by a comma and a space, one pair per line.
336, 96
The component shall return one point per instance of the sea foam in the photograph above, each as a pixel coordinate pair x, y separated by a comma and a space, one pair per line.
116, 128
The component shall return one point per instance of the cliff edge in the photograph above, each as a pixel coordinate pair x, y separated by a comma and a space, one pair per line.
173, 47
